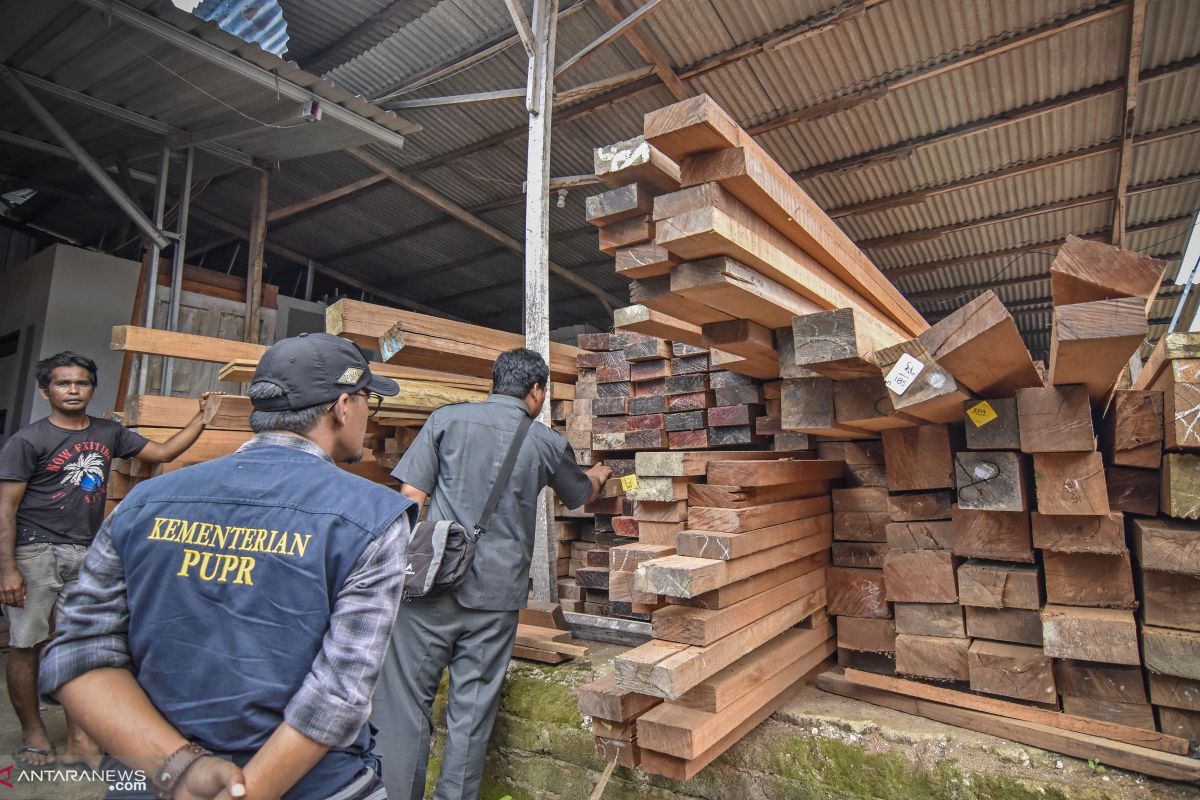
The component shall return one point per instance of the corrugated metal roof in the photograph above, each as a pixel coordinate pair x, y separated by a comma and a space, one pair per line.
258, 21
370, 47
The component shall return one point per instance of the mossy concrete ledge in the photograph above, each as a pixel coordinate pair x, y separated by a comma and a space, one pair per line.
818, 747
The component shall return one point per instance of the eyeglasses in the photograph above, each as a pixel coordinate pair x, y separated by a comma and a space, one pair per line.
374, 401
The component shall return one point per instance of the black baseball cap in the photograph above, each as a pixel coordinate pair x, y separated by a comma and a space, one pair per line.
315, 368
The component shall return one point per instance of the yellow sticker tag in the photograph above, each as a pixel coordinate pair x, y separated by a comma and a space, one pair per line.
629, 482
981, 413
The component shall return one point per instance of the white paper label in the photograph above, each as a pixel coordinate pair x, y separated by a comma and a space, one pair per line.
903, 373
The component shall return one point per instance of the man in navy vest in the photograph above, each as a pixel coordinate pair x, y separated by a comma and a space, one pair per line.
242, 607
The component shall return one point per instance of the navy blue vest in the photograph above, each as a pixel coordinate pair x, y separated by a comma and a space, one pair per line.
232, 568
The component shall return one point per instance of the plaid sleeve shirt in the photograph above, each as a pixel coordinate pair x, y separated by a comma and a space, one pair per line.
333, 701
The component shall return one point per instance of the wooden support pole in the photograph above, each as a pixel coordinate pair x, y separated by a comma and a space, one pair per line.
537, 257
1137, 26
258, 241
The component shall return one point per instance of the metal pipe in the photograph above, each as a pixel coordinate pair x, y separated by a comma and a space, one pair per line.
185, 203
99, 175
151, 289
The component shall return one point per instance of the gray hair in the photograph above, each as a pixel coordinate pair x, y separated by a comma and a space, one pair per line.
300, 420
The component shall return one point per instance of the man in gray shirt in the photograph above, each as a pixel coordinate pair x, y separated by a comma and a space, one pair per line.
454, 462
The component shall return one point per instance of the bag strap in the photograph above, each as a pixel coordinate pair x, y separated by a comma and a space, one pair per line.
510, 458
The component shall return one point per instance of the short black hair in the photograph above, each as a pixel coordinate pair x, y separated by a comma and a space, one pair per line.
516, 371
45, 367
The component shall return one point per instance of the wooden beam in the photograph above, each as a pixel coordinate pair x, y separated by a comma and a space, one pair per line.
1137, 27
448, 206
254, 271
649, 53
612, 33
523, 31
332, 197
459, 99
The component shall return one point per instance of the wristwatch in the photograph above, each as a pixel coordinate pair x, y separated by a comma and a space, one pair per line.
167, 777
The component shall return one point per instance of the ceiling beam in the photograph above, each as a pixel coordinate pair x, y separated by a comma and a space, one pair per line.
521, 24
918, 196
1137, 26
459, 99
928, 234
651, 54
326, 59
448, 206
933, 266
164, 31
608, 36
511, 284
1046, 302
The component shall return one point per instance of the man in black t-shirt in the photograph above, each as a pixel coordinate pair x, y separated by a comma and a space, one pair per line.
53, 484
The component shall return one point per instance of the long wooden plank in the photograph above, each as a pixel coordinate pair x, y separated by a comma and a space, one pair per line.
1002, 708
737, 592
699, 125
687, 732
738, 290
703, 626
726, 546
686, 576
399, 345
646, 320
662, 671
767, 473
737, 520
685, 463
734, 230
223, 412
603, 699
1116, 754
979, 345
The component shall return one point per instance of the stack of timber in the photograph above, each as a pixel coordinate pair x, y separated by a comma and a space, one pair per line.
543, 635
737, 590
723, 248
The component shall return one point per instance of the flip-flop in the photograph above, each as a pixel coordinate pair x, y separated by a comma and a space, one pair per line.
51, 751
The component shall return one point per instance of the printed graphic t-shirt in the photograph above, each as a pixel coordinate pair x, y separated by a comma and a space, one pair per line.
66, 477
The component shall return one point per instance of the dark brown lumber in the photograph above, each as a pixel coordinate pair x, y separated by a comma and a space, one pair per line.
1171, 652
859, 554
1153, 744
592, 577
934, 657
615, 373
648, 349
992, 424
836, 344
1167, 545
1090, 343
651, 404
685, 421
1070, 483
608, 407
992, 481
1056, 419
1180, 722
866, 635
731, 416
649, 370
601, 698
1081, 745
688, 733
535, 654
1076, 534
1133, 715
703, 626
544, 615
726, 546
993, 584
736, 592
636, 160
718, 692
1121, 683
1089, 579
694, 463
686, 365
928, 535
1168, 690
1090, 634
920, 506
1179, 493
615, 340
930, 619
1017, 625
856, 592
1132, 490
860, 526
866, 403
919, 576
687, 440
643, 260
616, 235
1133, 429
1086, 270
743, 293
687, 576
640, 318
882, 663
980, 345
667, 672
1011, 670
744, 338
999, 535
623, 202
733, 395
918, 385
807, 406
923, 458
690, 401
